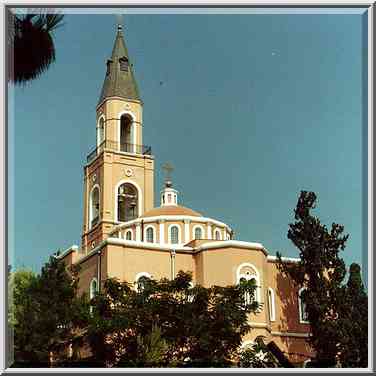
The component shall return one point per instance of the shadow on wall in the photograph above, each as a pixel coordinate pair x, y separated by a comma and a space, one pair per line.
287, 292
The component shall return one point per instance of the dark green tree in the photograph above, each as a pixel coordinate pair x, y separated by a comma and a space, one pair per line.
48, 314
31, 45
353, 322
168, 323
321, 271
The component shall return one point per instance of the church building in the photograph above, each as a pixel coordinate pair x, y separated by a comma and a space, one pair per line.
126, 235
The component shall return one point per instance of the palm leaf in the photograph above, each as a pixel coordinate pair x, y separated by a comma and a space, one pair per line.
33, 47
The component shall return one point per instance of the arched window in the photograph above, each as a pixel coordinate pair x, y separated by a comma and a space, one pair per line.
141, 279
217, 235
248, 272
150, 234
174, 234
126, 134
303, 317
271, 304
127, 202
100, 134
128, 235
93, 288
94, 206
198, 233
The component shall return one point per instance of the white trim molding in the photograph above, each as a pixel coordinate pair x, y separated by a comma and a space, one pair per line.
284, 259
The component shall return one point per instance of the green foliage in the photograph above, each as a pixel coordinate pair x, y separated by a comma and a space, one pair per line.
322, 271
168, 323
47, 313
353, 320
32, 46
257, 356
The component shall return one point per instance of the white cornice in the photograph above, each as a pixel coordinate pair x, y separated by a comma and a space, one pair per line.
170, 218
285, 259
73, 248
290, 334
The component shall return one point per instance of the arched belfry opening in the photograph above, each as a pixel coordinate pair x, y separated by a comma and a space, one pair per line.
126, 134
127, 201
94, 207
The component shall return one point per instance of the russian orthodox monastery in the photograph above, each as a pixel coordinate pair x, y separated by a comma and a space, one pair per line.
125, 235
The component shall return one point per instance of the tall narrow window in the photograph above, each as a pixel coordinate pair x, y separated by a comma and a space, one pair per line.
198, 233
150, 235
93, 288
128, 235
174, 234
217, 235
271, 304
100, 131
303, 316
127, 201
126, 134
94, 207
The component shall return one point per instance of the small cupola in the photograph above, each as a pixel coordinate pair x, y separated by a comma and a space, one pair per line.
169, 195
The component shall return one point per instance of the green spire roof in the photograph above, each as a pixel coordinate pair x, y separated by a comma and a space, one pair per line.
119, 80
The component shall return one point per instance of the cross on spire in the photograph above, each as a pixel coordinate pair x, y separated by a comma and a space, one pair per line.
167, 168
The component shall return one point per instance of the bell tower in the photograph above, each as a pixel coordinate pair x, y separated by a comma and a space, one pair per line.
119, 173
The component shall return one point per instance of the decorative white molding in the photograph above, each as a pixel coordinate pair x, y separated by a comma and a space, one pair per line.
172, 218
186, 230
73, 248
285, 259
138, 232
161, 232
209, 230
91, 204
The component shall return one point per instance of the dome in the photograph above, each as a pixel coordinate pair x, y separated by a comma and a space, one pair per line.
171, 210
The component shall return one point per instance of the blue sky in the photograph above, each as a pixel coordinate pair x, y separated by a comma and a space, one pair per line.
253, 108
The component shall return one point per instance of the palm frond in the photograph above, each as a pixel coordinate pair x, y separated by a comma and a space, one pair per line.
33, 46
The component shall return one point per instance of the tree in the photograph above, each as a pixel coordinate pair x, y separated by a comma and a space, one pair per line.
169, 323
353, 320
48, 315
321, 271
257, 356
31, 45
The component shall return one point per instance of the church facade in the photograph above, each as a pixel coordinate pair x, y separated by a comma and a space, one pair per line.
126, 236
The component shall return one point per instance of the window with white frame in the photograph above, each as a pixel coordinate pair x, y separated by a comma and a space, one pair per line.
94, 206
100, 134
93, 288
248, 272
127, 202
217, 235
198, 232
271, 304
128, 235
174, 234
303, 316
150, 235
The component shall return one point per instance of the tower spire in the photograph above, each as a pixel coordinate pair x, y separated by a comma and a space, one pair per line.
119, 80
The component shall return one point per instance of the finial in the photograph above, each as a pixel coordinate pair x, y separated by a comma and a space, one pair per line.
168, 168
119, 22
